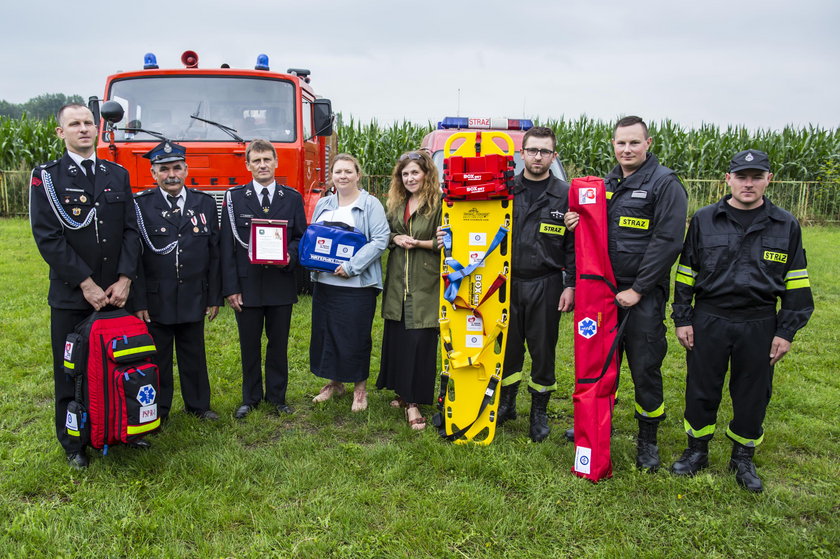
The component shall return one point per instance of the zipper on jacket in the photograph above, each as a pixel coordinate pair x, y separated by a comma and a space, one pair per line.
407, 255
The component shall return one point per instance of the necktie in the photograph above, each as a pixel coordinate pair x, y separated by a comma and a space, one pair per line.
265, 201
173, 203
88, 165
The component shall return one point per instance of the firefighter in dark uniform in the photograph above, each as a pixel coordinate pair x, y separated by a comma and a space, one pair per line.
542, 250
84, 225
179, 282
741, 256
261, 295
646, 208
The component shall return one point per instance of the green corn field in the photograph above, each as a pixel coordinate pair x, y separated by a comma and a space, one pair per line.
806, 160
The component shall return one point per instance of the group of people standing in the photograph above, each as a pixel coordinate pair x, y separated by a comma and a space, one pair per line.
170, 264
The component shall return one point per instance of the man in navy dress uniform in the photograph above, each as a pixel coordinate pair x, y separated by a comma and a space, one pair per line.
84, 225
178, 283
262, 295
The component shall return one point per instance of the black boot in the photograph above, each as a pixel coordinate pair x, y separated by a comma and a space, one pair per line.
507, 403
570, 434
741, 463
694, 459
647, 453
539, 418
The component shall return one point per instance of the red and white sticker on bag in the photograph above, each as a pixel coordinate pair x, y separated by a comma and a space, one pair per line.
586, 196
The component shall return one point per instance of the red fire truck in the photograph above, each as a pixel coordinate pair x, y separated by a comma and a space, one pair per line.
214, 113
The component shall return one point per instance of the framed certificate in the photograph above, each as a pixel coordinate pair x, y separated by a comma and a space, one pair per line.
269, 242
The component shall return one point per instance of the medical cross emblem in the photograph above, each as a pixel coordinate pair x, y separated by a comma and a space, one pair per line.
146, 395
587, 328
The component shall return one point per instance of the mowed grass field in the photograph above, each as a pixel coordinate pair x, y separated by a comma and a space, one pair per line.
328, 483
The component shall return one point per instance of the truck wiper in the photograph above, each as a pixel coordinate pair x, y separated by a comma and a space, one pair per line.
226, 129
134, 130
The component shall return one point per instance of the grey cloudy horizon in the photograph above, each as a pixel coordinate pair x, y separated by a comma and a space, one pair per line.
759, 64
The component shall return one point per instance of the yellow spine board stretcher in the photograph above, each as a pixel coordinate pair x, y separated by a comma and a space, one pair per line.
473, 342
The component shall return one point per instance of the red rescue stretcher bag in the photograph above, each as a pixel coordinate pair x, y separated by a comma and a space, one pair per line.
485, 177
110, 357
596, 331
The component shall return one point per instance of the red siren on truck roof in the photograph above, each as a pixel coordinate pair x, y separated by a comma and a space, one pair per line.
485, 122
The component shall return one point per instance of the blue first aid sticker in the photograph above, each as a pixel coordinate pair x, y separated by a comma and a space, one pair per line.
587, 328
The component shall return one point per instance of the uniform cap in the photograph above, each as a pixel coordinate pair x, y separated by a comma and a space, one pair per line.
166, 152
749, 159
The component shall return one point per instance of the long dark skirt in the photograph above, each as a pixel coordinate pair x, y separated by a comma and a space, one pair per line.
409, 362
342, 318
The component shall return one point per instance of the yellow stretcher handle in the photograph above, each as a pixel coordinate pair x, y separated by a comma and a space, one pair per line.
488, 145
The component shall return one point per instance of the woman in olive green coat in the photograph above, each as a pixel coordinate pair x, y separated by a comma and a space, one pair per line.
410, 300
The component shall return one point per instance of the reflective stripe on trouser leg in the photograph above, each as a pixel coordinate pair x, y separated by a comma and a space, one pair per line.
645, 346
702, 433
751, 380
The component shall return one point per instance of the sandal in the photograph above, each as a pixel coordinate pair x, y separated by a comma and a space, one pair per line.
418, 423
398, 403
330, 389
359, 400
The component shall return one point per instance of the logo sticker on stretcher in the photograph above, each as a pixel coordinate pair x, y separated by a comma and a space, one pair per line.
474, 340
478, 239
475, 324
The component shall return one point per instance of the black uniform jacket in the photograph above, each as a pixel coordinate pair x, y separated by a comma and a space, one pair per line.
647, 212
105, 249
177, 287
740, 274
260, 285
541, 244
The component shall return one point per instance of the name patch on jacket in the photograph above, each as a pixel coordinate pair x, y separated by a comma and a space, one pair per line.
552, 229
638, 194
634, 222
775, 256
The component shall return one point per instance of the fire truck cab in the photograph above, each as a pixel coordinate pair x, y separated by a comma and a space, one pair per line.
435, 140
214, 113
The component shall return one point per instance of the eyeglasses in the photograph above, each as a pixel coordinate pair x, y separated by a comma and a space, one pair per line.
413, 155
534, 151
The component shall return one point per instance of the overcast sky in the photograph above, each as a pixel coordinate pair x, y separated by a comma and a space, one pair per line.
760, 63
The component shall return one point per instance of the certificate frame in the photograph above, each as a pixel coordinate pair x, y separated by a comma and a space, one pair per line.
269, 242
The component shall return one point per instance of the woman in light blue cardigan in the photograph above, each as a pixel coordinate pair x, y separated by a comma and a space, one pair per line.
344, 301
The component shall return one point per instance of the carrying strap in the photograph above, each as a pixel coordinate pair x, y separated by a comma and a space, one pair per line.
616, 340
461, 304
457, 358
453, 279
489, 394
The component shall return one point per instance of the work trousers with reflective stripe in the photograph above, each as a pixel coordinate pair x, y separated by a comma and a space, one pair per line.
720, 343
644, 345
535, 320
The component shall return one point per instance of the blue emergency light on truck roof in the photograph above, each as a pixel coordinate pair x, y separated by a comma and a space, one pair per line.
150, 61
473, 122
262, 62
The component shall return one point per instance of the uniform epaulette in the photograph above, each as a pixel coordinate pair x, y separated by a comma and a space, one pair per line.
239, 186
108, 161
144, 192
199, 191
290, 190
52, 163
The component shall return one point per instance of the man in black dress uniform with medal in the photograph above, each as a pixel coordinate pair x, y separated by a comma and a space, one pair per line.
179, 281
262, 295
84, 225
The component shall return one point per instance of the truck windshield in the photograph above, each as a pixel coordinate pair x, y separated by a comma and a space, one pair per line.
253, 107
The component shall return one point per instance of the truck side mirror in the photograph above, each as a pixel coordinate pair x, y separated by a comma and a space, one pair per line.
112, 111
322, 111
93, 105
